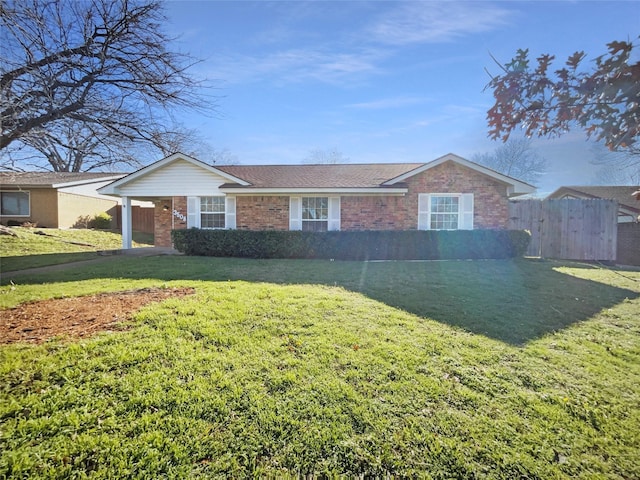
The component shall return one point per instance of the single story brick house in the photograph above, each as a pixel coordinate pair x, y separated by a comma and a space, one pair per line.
447, 193
54, 199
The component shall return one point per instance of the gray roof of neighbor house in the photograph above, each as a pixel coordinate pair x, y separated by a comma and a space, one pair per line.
318, 176
54, 179
622, 194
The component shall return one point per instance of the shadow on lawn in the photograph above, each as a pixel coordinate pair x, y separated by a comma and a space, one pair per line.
511, 301
514, 302
10, 264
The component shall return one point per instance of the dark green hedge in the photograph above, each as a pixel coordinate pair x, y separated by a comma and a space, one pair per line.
362, 245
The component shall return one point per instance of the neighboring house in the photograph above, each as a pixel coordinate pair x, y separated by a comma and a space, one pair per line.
54, 199
628, 204
448, 193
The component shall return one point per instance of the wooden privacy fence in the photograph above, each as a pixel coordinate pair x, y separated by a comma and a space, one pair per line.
141, 218
570, 229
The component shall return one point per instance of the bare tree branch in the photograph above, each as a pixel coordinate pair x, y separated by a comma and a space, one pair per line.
515, 158
326, 156
100, 66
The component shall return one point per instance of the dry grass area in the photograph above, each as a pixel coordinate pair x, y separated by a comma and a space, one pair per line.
78, 317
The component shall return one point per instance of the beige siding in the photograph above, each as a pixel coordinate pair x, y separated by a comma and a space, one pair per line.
43, 208
72, 208
179, 178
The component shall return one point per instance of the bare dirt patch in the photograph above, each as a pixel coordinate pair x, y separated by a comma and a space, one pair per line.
78, 317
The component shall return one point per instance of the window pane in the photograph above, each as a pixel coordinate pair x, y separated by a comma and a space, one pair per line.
315, 226
212, 204
15, 203
444, 212
212, 220
447, 221
315, 208
444, 204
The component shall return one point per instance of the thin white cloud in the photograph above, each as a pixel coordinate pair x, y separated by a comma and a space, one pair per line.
296, 65
434, 22
387, 103
339, 61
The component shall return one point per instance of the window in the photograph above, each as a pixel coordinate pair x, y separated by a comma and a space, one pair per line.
315, 214
14, 204
212, 212
445, 211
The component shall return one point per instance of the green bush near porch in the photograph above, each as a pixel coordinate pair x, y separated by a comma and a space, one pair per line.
360, 245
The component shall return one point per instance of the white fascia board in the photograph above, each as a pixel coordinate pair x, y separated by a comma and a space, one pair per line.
324, 191
87, 182
516, 187
112, 188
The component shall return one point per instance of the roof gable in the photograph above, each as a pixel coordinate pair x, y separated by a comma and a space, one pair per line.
155, 168
516, 187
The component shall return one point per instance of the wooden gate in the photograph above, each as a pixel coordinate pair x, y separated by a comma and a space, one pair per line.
571, 229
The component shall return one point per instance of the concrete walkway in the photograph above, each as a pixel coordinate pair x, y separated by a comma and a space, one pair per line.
103, 256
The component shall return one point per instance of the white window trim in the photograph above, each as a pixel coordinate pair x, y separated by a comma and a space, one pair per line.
193, 212
222, 212
295, 212
28, 192
465, 210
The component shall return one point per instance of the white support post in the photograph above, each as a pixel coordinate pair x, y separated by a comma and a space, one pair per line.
126, 223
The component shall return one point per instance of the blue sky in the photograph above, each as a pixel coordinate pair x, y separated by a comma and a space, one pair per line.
380, 81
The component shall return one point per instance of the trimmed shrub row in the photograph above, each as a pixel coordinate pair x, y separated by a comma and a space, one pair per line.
354, 245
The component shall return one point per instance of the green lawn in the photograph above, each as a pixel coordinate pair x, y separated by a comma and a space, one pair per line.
487, 369
33, 249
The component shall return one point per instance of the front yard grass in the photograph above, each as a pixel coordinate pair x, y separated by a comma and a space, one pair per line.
37, 247
487, 369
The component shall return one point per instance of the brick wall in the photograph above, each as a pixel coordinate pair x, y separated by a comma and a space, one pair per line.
164, 221
262, 213
491, 205
490, 202
628, 244
374, 213
366, 213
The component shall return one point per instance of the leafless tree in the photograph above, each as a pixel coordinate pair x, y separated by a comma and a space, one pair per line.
616, 168
69, 145
91, 76
515, 158
326, 156
190, 142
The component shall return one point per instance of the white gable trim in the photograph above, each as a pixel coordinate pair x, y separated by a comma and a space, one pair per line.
515, 187
112, 188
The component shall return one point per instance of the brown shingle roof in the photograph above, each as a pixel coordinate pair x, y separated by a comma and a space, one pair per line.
318, 176
47, 179
622, 194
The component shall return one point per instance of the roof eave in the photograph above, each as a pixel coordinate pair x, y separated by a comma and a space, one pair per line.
308, 190
110, 178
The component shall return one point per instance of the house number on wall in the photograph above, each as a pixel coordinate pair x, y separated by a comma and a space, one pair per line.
177, 214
